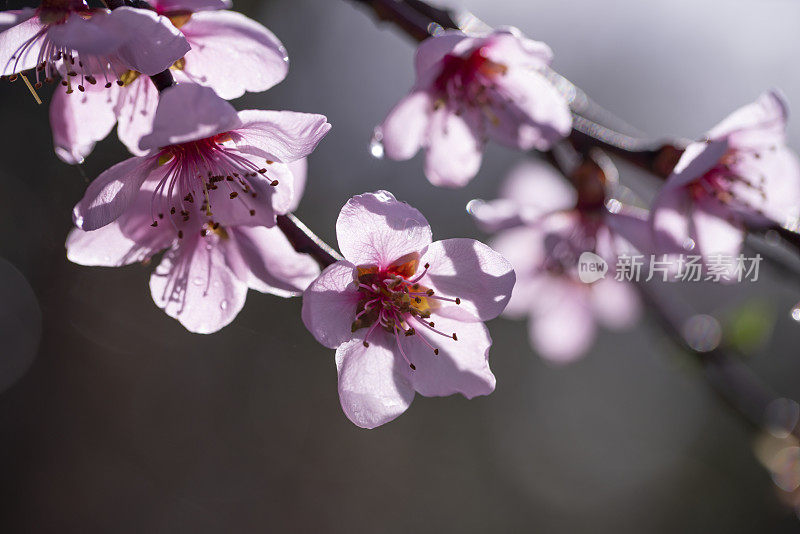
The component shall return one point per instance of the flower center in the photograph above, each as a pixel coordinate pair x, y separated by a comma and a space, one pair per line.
466, 78
563, 248
195, 171
394, 300
718, 182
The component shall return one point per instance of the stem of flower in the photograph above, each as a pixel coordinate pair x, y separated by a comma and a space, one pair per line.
303, 240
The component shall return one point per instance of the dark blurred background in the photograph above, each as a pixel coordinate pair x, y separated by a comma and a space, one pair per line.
125, 422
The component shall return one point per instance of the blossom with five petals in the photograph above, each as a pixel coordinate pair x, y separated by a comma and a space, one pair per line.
469, 89
203, 278
742, 175
543, 232
404, 314
229, 53
202, 153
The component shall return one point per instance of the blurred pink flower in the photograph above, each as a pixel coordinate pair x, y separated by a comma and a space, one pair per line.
543, 234
469, 89
742, 175
86, 46
404, 314
203, 278
229, 52
202, 152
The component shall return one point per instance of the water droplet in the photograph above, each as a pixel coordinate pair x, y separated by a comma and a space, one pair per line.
435, 29
613, 205
796, 313
376, 145
702, 333
198, 281
689, 244
223, 305
474, 204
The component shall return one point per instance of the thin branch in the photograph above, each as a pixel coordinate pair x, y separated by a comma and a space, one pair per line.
305, 241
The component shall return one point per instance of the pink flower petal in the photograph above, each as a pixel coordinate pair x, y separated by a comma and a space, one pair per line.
13, 17
269, 200
454, 150
17, 28
697, 159
280, 135
615, 304
272, 265
372, 388
715, 230
776, 175
523, 247
195, 286
136, 109
188, 112
329, 304
427, 61
110, 194
153, 44
508, 46
110, 247
533, 113
217, 37
96, 36
670, 220
471, 271
760, 124
80, 119
375, 228
403, 131
532, 189
563, 328
299, 170
460, 367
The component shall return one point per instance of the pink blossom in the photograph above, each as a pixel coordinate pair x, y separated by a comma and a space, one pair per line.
469, 89
229, 52
543, 234
203, 278
404, 314
742, 175
201, 152
86, 46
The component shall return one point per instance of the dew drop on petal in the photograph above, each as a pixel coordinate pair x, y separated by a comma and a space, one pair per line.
198, 281
376, 145
613, 205
702, 333
689, 244
223, 305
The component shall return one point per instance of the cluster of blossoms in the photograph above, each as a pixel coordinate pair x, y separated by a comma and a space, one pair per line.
206, 186
469, 89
